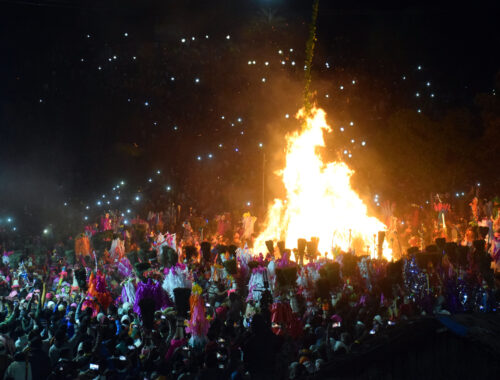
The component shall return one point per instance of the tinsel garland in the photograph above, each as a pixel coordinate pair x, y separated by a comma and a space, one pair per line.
151, 290
98, 289
176, 277
286, 321
198, 324
128, 292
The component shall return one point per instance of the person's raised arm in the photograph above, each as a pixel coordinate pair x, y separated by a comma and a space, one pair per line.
79, 308
41, 302
12, 316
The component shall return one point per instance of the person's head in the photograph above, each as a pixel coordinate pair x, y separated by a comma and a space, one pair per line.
36, 343
125, 321
211, 359
258, 324
60, 338
84, 347
233, 297
470, 234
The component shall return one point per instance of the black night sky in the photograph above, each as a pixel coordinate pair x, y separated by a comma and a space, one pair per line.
95, 92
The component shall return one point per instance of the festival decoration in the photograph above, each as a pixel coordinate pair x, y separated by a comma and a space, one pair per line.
152, 290
82, 246
176, 276
97, 289
198, 324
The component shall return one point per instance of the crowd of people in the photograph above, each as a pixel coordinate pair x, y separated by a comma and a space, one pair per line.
134, 301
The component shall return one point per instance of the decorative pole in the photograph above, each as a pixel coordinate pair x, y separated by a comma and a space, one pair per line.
264, 181
311, 41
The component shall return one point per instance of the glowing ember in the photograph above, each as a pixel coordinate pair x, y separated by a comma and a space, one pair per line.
319, 199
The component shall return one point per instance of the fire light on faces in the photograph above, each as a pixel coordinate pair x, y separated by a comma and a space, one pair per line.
319, 199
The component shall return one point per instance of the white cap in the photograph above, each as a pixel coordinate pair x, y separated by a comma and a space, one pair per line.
125, 318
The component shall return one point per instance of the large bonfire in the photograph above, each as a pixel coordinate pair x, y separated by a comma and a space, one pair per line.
319, 199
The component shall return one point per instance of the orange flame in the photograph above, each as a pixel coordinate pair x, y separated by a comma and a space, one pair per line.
319, 199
